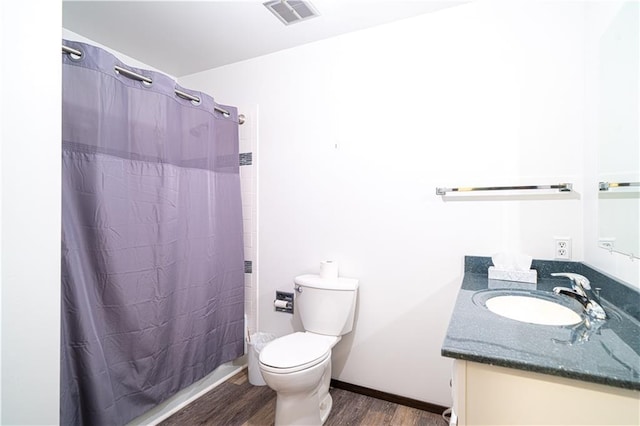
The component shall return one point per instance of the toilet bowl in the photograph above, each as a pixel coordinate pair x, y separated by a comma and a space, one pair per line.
298, 367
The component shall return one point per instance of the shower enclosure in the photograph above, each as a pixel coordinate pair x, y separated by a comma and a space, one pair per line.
152, 250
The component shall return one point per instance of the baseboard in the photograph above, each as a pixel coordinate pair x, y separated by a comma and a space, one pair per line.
385, 396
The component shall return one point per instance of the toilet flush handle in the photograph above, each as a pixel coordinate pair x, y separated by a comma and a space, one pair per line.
298, 288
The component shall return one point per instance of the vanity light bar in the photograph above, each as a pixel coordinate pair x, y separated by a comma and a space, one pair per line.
562, 187
135, 76
605, 186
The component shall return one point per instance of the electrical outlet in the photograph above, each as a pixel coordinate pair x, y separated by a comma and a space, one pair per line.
562, 248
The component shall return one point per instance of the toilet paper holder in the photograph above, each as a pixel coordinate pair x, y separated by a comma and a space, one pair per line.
283, 302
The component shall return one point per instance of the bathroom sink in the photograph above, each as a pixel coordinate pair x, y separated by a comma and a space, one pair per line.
535, 307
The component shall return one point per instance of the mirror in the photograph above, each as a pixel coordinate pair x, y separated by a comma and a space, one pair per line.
618, 132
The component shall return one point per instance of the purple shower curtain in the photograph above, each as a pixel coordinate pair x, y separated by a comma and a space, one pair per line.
152, 249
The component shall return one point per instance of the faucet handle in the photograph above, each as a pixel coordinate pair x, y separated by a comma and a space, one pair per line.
579, 284
578, 279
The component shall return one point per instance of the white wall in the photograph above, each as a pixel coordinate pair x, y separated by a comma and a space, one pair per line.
357, 131
30, 223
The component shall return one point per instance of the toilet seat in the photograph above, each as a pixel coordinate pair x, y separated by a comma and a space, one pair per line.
296, 352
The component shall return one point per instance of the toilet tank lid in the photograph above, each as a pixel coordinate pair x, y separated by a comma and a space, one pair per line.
340, 283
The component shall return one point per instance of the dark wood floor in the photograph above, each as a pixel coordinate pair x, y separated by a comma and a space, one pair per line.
237, 403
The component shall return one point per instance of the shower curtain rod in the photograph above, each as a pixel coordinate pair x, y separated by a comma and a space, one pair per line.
135, 76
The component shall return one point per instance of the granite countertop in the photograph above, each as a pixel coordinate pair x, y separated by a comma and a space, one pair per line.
606, 352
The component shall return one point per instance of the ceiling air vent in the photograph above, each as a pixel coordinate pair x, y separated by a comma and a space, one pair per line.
291, 11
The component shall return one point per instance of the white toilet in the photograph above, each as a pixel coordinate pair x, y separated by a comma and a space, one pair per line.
298, 366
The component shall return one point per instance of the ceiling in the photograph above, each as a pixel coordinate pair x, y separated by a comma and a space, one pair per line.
186, 37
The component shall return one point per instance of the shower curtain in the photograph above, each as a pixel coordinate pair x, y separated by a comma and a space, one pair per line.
152, 248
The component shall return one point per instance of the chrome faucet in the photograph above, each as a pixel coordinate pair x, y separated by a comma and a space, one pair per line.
579, 287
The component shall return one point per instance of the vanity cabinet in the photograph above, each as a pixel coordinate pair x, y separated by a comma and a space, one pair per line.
486, 394
509, 372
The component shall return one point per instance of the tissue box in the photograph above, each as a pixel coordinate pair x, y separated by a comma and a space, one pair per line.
530, 276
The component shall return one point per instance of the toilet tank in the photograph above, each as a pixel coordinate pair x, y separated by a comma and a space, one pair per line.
326, 305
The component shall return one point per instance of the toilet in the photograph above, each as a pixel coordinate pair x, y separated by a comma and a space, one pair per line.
298, 366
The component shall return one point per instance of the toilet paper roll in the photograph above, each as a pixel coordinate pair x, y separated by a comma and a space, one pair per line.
280, 303
328, 269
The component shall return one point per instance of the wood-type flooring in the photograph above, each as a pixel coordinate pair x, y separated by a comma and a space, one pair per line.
238, 403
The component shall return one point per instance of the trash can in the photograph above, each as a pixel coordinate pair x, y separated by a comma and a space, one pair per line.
255, 344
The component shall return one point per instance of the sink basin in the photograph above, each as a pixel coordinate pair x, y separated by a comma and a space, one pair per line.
535, 307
